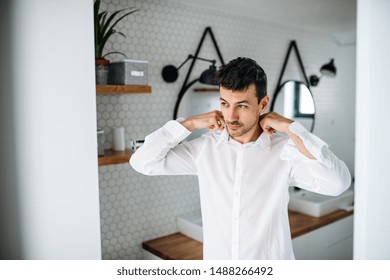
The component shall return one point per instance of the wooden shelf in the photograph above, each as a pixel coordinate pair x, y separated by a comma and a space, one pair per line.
114, 157
123, 89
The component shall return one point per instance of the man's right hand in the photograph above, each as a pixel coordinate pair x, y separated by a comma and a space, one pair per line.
213, 121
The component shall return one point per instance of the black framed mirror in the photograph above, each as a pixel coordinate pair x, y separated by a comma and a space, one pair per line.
294, 101
199, 99
209, 80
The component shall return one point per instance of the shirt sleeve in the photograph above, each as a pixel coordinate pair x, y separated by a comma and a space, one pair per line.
327, 174
161, 153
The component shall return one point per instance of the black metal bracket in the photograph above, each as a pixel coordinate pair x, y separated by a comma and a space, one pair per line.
293, 45
187, 84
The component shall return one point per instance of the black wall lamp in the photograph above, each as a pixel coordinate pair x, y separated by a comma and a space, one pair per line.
326, 70
170, 72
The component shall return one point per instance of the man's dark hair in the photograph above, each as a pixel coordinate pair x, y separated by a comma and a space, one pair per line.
240, 73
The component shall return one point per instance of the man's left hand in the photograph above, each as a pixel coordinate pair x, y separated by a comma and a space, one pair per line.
272, 122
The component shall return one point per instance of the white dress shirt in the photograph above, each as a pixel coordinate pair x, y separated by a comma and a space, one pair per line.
244, 187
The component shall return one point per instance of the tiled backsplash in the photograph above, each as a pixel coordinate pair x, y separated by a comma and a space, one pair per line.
136, 207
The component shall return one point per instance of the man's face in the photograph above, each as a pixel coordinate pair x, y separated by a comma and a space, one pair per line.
241, 111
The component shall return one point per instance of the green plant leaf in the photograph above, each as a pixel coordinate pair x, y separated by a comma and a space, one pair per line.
104, 26
111, 18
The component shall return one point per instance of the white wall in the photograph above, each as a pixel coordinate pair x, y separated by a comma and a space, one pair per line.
56, 180
372, 186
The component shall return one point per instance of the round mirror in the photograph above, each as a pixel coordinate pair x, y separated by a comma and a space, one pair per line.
295, 101
198, 99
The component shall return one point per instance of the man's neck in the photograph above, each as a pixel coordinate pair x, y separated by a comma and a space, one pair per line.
250, 136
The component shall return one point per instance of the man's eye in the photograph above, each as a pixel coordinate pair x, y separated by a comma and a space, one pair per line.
242, 106
223, 103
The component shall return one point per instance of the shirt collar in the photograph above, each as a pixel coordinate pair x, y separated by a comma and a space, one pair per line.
264, 140
224, 136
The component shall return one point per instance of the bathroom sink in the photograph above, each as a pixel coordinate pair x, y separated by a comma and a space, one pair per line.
301, 201
318, 205
191, 225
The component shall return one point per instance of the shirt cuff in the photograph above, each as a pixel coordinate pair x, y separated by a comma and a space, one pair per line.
313, 144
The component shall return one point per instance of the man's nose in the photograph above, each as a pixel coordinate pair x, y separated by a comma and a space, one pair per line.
233, 116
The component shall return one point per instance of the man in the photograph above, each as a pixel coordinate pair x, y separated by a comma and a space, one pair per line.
244, 170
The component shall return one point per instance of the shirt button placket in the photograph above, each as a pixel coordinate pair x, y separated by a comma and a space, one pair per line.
236, 205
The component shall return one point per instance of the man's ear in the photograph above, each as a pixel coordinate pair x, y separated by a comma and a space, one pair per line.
264, 104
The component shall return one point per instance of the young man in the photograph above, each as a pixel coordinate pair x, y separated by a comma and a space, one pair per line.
244, 170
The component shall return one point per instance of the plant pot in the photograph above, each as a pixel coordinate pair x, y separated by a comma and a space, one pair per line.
101, 70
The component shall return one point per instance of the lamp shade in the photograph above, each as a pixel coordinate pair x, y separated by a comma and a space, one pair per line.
208, 76
329, 69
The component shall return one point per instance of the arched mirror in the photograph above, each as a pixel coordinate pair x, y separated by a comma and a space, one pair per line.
294, 101
199, 99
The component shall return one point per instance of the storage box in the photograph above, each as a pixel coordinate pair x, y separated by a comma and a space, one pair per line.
128, 72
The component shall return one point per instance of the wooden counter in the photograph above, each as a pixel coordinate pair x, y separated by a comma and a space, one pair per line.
301, 224
180, 247
176, 246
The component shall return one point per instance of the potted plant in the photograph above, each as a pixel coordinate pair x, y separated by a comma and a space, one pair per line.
104, 29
